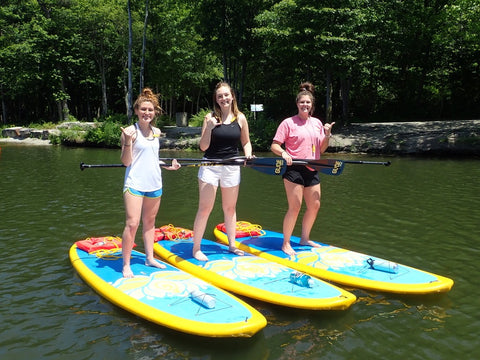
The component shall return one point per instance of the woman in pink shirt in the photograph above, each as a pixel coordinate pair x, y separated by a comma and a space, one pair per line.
304, 137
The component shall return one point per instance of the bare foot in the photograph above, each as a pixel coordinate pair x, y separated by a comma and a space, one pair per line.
127, 272
287, 249
310, 243
200, 256
155, 263
236, 251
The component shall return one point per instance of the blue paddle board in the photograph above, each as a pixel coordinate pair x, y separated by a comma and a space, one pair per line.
254, 277
168, 297
339, 265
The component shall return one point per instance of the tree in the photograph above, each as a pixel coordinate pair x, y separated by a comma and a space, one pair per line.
317, 41
176, 63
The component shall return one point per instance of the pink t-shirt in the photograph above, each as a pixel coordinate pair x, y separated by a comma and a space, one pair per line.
302, 139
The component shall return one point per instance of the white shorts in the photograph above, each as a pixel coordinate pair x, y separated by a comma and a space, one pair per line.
226, 175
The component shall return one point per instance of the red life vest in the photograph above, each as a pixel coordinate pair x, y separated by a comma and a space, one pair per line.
93, 244
244, 229
170, 232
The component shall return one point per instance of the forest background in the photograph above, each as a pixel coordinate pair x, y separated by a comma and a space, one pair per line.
370, 60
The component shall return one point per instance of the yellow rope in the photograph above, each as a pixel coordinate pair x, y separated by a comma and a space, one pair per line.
108, 254
172, 232
252, 229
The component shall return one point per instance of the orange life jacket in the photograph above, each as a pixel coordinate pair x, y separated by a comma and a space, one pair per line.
244, 229
93, 244
170, 232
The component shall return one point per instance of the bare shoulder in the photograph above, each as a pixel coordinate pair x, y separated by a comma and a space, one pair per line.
242, 120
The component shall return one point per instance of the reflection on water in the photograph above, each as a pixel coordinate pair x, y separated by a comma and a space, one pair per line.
419, 212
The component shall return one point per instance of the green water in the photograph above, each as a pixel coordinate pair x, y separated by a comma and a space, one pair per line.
420, 212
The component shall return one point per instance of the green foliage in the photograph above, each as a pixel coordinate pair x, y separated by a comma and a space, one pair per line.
107, 134
164, 120
69, 137
262, 130
43, 125
379, 60
197, 119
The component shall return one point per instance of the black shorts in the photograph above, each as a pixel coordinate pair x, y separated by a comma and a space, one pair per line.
300, 174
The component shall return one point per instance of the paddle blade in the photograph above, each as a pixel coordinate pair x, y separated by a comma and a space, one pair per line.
270, 166
330, 166
325, 166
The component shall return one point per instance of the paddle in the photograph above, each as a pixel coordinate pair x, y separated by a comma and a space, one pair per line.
274, 166
266, 167
261, 164
335, 167
325, 166
204, 160
331, 162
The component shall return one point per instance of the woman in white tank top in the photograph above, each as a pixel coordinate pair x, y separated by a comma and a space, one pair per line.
143, 178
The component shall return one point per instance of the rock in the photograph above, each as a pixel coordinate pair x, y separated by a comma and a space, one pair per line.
456, 137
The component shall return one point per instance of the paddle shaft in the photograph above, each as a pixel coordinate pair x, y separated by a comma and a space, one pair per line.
329, 162
385, 163
267, 165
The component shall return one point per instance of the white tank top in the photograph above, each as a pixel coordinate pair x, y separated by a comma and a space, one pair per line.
144, 173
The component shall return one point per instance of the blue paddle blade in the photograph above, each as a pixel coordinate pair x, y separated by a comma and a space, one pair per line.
333, 167
324, 166
270, 166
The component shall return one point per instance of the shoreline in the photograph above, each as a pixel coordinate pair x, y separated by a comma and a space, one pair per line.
453, 138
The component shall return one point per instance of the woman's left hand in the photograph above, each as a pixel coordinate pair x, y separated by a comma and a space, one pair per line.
328, 129
248, 157
175, 165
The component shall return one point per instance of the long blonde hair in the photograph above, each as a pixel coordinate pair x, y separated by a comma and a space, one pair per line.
216, 107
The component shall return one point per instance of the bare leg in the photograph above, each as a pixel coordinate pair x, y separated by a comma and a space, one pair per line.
206, 201
312, 196
229, 204
294, 197
149, 213
133, 209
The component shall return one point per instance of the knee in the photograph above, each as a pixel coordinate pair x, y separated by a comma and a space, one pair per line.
204, 211
229, 210
132, 225
315, 206
295, 207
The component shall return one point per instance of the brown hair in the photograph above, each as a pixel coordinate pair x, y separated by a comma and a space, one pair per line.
216, 107
307, 89
148, 95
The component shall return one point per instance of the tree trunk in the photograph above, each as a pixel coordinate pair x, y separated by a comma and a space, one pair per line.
328, 104
345, 85
4, 109
104, 88
129, 64
144, 45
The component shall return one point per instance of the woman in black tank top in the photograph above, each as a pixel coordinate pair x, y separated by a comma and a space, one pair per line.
222, 131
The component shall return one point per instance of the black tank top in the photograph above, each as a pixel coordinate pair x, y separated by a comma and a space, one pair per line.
224, 141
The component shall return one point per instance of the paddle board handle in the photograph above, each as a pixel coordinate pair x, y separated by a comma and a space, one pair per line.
301, 279
383, 265
203, 299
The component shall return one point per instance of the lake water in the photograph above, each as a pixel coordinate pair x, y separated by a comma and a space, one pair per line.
420, 212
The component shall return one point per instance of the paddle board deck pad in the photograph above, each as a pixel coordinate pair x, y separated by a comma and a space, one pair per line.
168, 297
254, 277
338, 265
